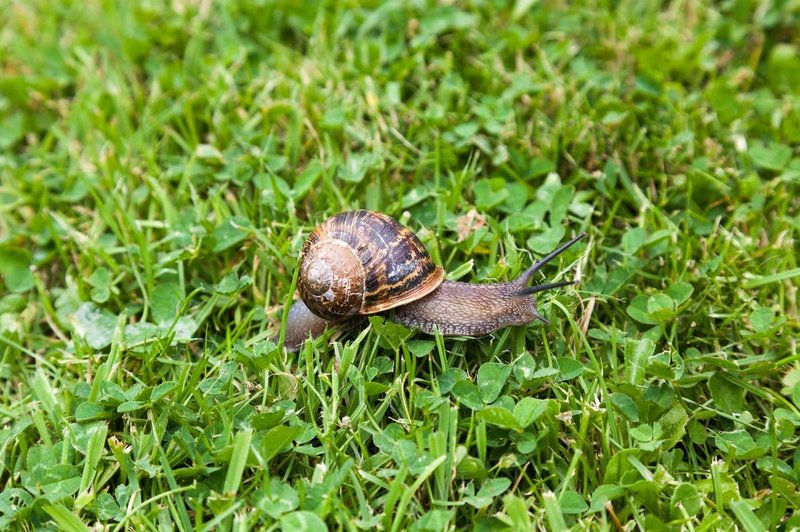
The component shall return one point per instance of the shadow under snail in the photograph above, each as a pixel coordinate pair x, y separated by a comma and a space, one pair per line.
363, 262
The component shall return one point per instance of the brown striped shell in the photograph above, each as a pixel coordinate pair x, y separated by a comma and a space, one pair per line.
363, 262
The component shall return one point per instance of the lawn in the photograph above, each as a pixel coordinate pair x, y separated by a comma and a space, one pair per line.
161, 164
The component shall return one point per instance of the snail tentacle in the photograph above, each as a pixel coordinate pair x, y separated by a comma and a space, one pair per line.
528, 290
527, 275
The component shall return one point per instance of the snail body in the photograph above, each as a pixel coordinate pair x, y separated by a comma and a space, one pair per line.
362, 262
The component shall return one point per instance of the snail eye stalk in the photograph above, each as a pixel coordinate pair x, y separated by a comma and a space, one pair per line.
527, 274
542, 287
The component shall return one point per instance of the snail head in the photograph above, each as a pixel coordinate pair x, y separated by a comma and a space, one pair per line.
527, 275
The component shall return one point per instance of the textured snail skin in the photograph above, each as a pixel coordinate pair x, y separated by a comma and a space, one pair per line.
454, 308
303, 323
465, 309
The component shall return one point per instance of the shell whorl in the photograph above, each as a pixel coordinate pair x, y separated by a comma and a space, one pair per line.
363, 262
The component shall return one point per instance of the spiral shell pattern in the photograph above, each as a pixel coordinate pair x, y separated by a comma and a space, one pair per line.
363, 262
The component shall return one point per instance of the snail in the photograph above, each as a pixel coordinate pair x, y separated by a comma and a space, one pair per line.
362, 262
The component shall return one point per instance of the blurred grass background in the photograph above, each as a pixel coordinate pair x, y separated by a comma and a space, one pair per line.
162, 162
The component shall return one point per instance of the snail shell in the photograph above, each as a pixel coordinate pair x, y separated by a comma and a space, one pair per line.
363, 262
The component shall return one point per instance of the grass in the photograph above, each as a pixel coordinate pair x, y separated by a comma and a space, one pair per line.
161, 164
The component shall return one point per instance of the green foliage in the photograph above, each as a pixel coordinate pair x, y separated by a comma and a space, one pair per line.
162, 162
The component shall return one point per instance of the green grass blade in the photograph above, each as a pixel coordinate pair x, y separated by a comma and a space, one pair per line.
66, 520
241, 450
552, 510
747, 519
